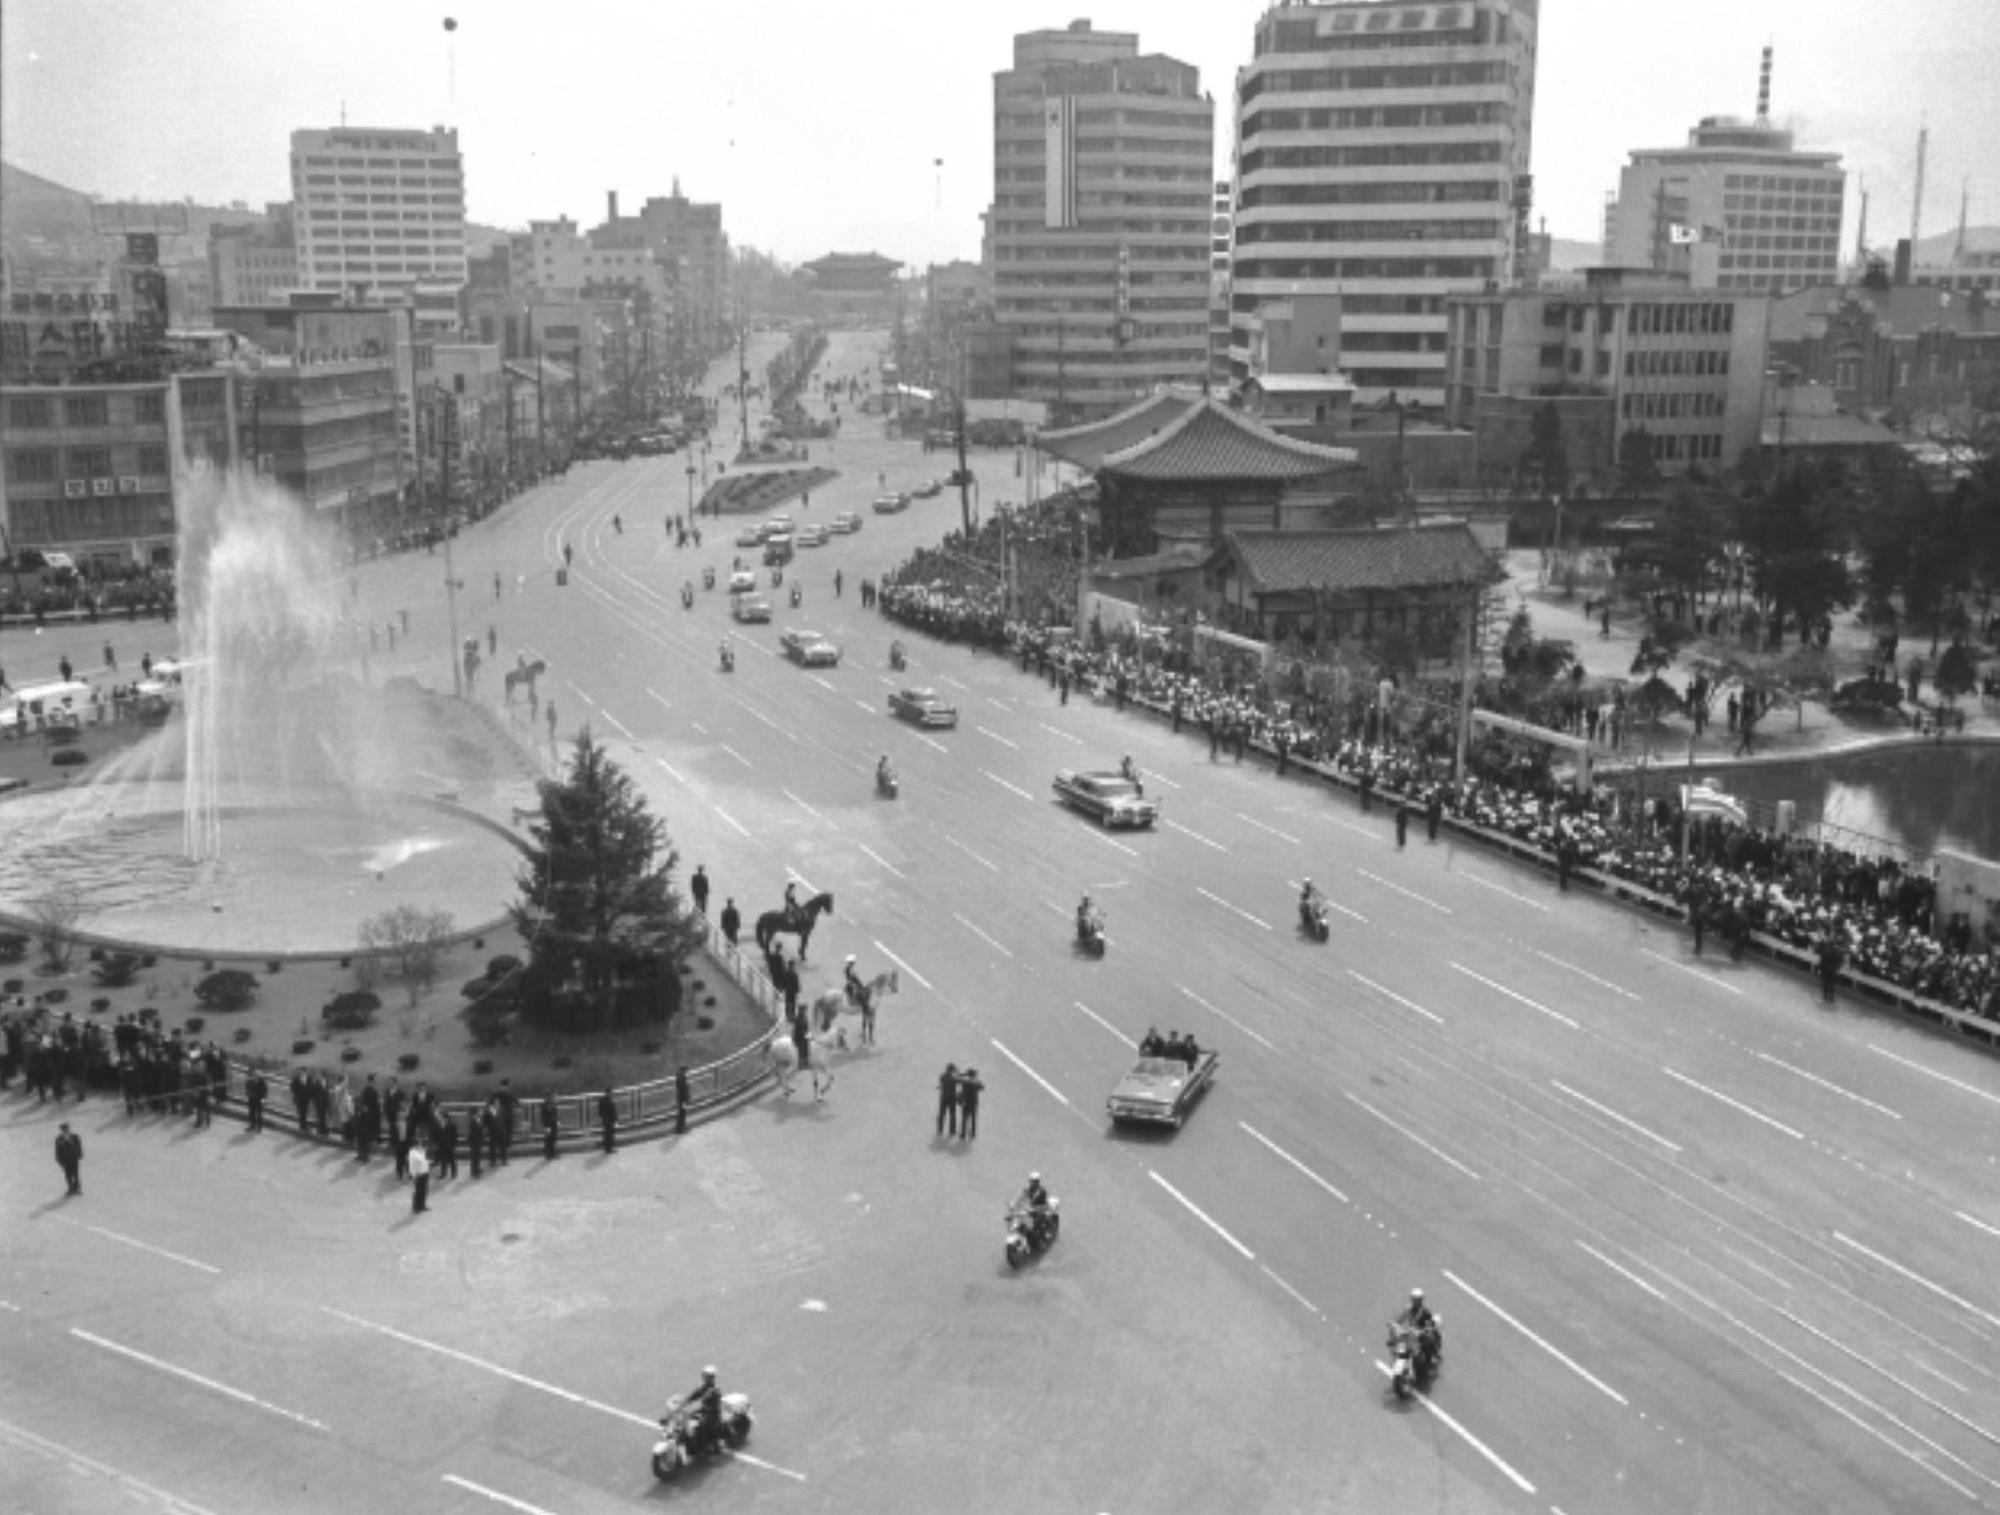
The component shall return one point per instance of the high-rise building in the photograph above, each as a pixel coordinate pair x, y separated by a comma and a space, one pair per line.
378, 208
1103, 173
1382, 157
1219, 239
253, 264
1738, 208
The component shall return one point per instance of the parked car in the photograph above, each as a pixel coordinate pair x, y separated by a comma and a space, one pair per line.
750, 536
809, 648
750, 608
925, 707
1107, 796
847, 523
930, 489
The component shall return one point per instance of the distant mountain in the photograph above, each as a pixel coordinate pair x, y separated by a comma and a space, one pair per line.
1939, 247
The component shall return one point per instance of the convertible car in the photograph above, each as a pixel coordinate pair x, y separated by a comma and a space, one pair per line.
1160, 1091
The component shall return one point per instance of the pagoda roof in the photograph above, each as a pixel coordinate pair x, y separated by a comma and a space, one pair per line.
1088, 445
1361, 558
873, 261
1210, 441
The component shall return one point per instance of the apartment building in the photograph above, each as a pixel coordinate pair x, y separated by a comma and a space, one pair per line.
378, 207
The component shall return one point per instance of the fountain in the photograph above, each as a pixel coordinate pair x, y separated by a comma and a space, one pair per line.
273, 812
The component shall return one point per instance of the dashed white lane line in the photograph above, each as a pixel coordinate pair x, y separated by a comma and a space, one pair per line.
1203, 1216
1917, 1278
1814, 1078
672, 772
1050, 1089
735, 754
930, 742
1303, 1301
782, 731
998, 738
1734, 1104
1601, 983
1284, 836
1554, 1015
1216, 899
1277, 1151
1128, 1041
143, 1246
1111, 841
945, 678
881, 859
903, 965
1932, 1072
1973, 1220
1370, 983
1016, 788
1513, 894
624, 730
495, 1495
664, 701
1464, 1435
1855, 1420
172, 1504
993, 867
1554, 1351
195, 1378
1368, 831
802, 805
1709, 978
1403, 1130
1625, 1273
13, 1309
729, 818
1067, 736
1406, 893
1184, 831
1223, 1015
1610, 1114
980, 934
821, 682
865, 706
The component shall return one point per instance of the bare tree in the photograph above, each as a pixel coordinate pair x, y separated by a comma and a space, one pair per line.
413, 939
56, 914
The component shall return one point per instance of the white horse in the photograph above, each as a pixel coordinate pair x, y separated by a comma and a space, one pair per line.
785, 1061
834, 1001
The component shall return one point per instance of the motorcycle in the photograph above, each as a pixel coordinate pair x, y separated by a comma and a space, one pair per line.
1090, 935
896, 659
687, 596
708, 578
1313, 918
777, 577
1027, 1237
728, 659
886, 785
684, 1441
795, 597
1414, 1356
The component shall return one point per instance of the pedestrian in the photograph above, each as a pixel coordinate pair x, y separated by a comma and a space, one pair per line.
1402, 822
1831, 960
1565, 857
731, 921
110, 658
836, 583
1367, 791
199, 1079
681, 1100
492, 641
1698, 920
446, 1126
69, 1157
255, 1090
551, 1122
475, 1137
552, 721
504, 1105
607, 1119
1433, 813
968, 1103
698, 887
947, 1114
420, 1177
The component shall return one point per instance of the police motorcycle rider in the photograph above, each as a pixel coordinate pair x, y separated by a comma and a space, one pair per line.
897, 660
728, 656
1089, 923
1129, 771
687, 594
703, 1411
885, 776
1038, 1209
1312, 905
1418, 1318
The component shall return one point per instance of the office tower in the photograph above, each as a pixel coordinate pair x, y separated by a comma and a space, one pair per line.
378, 208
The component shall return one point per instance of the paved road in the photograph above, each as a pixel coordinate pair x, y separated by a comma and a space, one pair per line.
1699, 1243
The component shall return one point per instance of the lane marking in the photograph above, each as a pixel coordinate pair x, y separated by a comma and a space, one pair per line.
881, 859
903, 965
1601, 983
1396, 1126
1282, 1154
865, 706
1971, 1220
1225, 1016
1066, 736
1368, 831
1945, 1077
980, 934
1281, 835
1111, 841
1705, 977
1464, 1435
1128, 1041
1848, 1415
1407, 893
664, 701
1392, 994
945, 678
998, 738
627, 730
496, 1496
143, 1246
1157, 778
1917, 1278
821, 682
994, 867
55, 1450
800, 879
738, 1455
1291, 1291
1512, 894
729, 818
1814, 1078
1554, 1351
1202, 1215
677, 778
1184, 831
802, 804
1554, 1015
935, 746
735, 754
1608, 1113
1625, 1273
754, 711
1734, 1104
1005, 785
1218, 900
1050, 1089
196, 1378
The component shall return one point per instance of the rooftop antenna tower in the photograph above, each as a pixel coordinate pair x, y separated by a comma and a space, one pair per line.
1964, 204
1917, 200
1861, 232
1764, 88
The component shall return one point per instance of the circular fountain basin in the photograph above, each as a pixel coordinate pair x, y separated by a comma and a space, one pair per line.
297, 876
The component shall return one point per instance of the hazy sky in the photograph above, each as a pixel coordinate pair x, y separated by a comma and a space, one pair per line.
817, 124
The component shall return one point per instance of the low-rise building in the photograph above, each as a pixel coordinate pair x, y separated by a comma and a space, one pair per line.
1883, 348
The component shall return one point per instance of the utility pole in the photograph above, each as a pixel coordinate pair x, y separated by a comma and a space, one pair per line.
451, 585
1464, 722
742, 379
964, 473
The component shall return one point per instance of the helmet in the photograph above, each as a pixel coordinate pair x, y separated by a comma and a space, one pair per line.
1307, 884
1034, 1178
708, 1373
1416, 1296
850, 959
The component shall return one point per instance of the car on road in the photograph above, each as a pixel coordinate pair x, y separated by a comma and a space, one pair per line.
847, 523
1159, 1091
809, 649
742, 581
930, 489
750, 536
750, 607
926, 707
777, 526
1107, 796
889, 504
778, 550
814, 535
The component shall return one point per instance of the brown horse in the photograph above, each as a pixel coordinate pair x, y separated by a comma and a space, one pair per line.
772, 922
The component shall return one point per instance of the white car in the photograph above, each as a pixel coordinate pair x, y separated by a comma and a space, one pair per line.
847, 523
742, 581
812, 536
777, 526
809, 649
750, 536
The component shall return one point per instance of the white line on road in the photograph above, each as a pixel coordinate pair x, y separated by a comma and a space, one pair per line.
495, 1495
1512, 894
1111, 841
1278, 1151
1464, 1435
1555, 1015
865, 706
1814, 1078
935, 745
144, 1246
1848, 1415
945, 678
1225, 1016
1107, 1024
1556, 1352
1585, 973
1218, 900
735, 754
1610, 1114
998, 738
1406, 893
1308, 1304
821, 682
802, 804
1973, 1220
1052, 1091
881, 859
13, 1309
664, 701
994, 867
729, 818
1945, 1077
1625, 1273
1065, 735
769, 1467
782, 731
191, 1377
1917, 1278
622, 727
1005, 785
1184, 831
173, 1504
1203, 1216
1156, 778
980, 934
1705, 977
903, 965
1281, 835
672, 771
1397, 1126
699, 727
1392, 994
1734, 1104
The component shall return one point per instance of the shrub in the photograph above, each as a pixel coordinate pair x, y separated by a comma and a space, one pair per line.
231, 989
13, 986
96, 954
148, 960
350, 1054
483, 1066
501, 966
709, 1002
302, 1046
412, 937
407, 1062
99, 1006
117, 969
193, 1025
704, 1022
350, 1011
13, 946
69, 757
54, 996
242, 1035
649, 1048
275, 965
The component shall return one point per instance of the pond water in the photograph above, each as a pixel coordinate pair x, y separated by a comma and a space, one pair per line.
1922, 797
